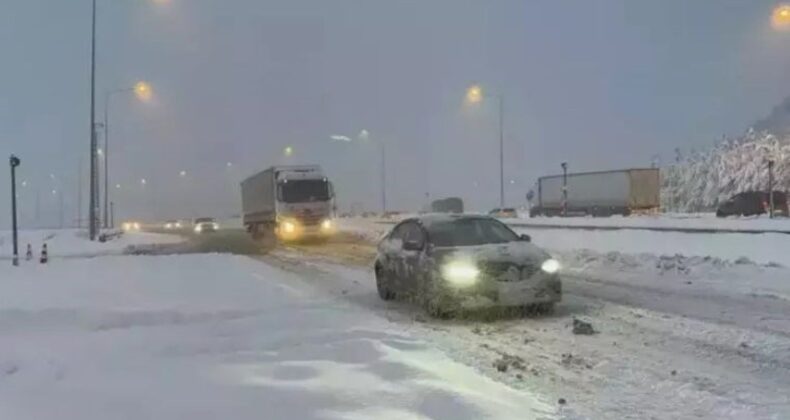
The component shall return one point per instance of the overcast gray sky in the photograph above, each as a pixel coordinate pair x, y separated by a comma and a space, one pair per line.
602, 84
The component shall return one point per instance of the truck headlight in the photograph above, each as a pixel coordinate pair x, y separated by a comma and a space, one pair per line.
460, 273
326, 224
289, 227
550, 266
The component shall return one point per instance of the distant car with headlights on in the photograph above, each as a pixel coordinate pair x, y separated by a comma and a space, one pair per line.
450, 263
173, 225
131, 226
205, 225
506, 213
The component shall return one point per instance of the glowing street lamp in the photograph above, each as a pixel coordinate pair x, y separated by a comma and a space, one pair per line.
475, 95
182, 174
780, 17
142, 90
288, 151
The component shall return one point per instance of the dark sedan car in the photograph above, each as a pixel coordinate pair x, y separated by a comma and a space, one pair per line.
753, 203
454, 262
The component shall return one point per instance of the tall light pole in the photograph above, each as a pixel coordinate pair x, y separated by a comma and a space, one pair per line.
143, 92
771, 188
14, 162
93, 222
564, 188
364, 136
476, 95
383, 179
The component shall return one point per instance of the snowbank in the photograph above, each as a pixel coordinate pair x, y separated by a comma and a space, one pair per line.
75, 243
764, 248
217, 336
697, 221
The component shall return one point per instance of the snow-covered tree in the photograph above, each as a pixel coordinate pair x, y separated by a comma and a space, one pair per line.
702, 180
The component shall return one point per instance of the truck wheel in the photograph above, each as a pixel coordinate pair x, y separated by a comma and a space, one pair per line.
383, 285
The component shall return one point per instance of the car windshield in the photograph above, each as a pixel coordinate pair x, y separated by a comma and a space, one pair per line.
204, 220
304, 191
469, 232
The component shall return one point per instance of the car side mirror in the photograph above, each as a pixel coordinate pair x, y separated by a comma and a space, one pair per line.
412, 246
526, 238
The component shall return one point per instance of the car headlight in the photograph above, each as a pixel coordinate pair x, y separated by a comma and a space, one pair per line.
326, 224
178, 225
215, 226
289, 227
550, 266
198, 229
127, 226
460, 273
136, 226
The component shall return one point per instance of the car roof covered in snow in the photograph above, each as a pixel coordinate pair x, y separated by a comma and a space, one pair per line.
431, 218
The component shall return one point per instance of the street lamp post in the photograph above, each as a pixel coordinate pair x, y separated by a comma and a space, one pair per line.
363, 136
564, 188
14, 162
475, 94
383, 179
143, 92
93, 222
771, 188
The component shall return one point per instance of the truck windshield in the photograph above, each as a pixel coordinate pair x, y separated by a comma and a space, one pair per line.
304, 191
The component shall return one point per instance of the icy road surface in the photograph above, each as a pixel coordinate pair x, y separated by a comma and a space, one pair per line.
209, 336
677, 337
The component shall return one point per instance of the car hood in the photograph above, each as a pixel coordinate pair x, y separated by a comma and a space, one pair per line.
514, 252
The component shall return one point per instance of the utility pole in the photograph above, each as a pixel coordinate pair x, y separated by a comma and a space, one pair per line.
106, 159
38, 207
92, 222
112, 214
79, 197
14, 162
383, 179
771, 188
60, 200
501, 151
564, 188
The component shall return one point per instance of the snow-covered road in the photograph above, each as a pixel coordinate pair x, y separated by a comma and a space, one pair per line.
687, 347
207, 336
299, 332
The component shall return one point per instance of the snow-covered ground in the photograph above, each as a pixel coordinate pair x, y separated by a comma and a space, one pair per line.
679, 336
699, 221
218, 336
75, 243
764, 248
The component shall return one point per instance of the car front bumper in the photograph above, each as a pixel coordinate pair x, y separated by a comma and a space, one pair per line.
539, 288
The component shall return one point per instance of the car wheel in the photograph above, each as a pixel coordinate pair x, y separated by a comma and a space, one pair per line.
383, 285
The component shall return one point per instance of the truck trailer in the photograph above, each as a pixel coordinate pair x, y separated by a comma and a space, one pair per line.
599, 194
289, 202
